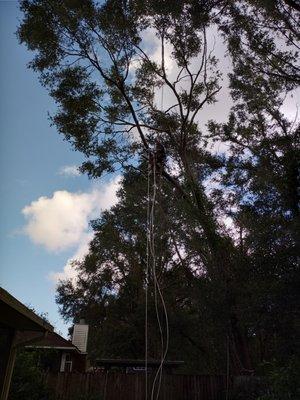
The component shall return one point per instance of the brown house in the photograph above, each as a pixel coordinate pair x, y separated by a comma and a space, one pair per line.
66, 357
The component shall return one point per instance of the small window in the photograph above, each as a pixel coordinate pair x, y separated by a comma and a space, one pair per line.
66, 363
68, 366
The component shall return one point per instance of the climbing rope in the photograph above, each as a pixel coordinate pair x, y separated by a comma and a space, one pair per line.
147, 282
158, 295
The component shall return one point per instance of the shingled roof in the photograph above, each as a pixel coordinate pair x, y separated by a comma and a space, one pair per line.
54, 341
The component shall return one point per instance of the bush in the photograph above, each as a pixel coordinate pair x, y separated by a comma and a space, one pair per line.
277, 381
28, 378
248, 388
283, 381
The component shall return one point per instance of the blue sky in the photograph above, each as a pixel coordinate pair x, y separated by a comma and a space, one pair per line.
38, 242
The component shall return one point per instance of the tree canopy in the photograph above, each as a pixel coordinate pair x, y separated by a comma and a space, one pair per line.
228, 221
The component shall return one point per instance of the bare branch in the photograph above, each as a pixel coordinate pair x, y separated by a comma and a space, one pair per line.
208, 97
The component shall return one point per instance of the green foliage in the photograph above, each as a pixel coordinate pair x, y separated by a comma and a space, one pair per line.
110, 290
283, 380
28, 378
277, 381
225, 286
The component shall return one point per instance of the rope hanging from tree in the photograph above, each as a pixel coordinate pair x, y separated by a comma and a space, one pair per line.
155, 165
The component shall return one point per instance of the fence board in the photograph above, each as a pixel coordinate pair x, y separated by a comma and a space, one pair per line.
120, 386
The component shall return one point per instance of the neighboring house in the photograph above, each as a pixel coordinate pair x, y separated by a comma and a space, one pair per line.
19, 326
66, 355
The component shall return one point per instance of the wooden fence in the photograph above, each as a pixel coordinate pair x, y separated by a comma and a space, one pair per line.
121, 386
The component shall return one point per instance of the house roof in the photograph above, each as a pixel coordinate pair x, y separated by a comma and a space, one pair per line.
15, 315
54, 341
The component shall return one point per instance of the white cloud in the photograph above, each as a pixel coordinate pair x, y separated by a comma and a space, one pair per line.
69, 272
62, 221
69, 171
153, 42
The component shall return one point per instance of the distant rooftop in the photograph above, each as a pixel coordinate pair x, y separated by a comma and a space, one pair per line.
54, 341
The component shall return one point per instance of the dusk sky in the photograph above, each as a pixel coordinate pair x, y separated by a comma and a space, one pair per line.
45, 205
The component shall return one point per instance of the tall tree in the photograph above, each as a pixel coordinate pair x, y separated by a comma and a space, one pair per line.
111, 284
98, 67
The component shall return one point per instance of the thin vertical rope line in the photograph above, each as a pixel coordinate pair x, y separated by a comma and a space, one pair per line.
147, 283
167, 339
157, 289
165, 351
152, 249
